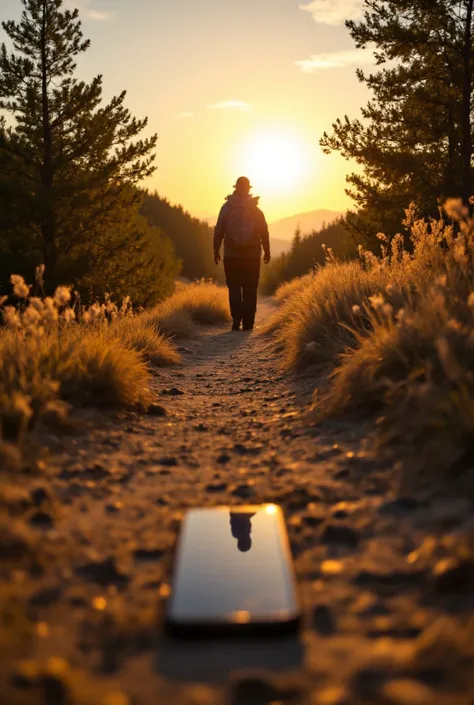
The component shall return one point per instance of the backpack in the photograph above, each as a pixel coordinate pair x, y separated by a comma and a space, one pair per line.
242, 228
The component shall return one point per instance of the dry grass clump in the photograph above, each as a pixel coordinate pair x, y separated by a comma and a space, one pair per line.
321, 320
199, 303
54, 354
416, 364
287, 289
317, 323
135, 334
398, 332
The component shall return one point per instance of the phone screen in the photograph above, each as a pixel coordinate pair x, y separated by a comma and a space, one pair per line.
233, 566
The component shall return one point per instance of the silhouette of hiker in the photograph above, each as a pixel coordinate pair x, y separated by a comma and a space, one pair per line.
244, 230
241, 528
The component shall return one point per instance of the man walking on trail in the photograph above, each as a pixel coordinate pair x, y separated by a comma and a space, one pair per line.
244, 230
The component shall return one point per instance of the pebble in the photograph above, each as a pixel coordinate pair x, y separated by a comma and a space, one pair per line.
156, 410
340, 533
332, 695
260, 690
170, 462
216, 487
312, 520
400, 507
243, 491
174, 392
408, 692
148, 554
106, 572
45, 597
453, 575
39, 495
324, 620
223, 459
41, 520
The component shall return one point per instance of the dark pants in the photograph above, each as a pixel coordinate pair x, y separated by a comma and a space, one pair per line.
242, 275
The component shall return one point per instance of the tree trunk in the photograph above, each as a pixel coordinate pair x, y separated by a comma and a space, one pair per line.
466, 144
48, 224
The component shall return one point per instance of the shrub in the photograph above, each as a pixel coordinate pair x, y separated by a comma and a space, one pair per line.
321, 319
289, 288
415, 364
135, 334
53, 354
199, 303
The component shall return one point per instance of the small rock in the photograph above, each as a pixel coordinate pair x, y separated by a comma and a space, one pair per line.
240, 448
25, 675
113, 507
148, 554
324, 620
170, 462
340, 533
408, 692
400, 507
243, 491
223, 459
105, 572
41, 520
312, 520
156, 410
368, 682
174, 392
98, 471
216, 487
453, 575
333, 695
39, 495
45, 597
201, 427
259, 690
341, 474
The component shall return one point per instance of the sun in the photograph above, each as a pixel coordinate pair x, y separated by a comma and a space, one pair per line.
275, 160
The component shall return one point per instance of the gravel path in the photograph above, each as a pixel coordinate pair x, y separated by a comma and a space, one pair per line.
386, 577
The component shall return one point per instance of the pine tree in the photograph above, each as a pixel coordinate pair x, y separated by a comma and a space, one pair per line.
71, 161
414, 142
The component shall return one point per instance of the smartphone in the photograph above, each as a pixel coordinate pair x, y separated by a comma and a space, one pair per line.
233, 573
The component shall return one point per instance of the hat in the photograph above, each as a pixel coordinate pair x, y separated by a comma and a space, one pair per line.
243, 183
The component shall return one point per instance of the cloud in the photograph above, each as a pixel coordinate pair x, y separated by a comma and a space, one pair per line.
231, 105
334, 12
336, 60
185, 116
99, 16
86, 11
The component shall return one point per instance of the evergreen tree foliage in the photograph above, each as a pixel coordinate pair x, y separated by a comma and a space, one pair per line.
192, 238
68, 165
308, 251
414, 140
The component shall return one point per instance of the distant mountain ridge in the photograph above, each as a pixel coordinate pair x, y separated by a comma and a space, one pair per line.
284, 229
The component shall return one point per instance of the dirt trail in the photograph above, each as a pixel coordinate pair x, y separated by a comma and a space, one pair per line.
235, 431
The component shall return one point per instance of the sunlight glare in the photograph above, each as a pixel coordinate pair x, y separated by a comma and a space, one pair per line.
275, 160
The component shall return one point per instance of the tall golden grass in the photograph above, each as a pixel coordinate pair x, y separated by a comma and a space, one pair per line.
201, 303
54, 354
398, 333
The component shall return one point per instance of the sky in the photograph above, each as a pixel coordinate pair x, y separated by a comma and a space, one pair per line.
232, 87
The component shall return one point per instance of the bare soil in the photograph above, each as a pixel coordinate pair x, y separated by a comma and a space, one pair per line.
386, 576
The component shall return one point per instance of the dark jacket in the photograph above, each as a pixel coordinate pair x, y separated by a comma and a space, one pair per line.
242, 227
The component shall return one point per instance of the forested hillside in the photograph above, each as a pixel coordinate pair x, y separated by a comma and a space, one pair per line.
308, 251
191, 237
